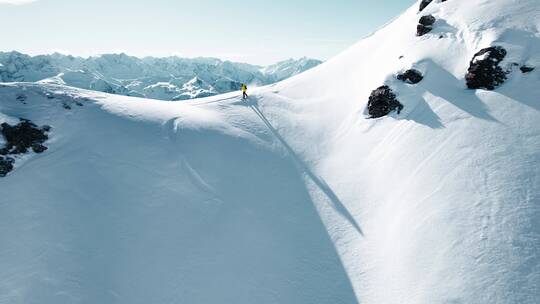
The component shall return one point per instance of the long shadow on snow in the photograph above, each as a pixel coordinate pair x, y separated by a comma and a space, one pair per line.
319, 181
421, 112
443, 84
260, 239
439, 83
522, 87
518, 96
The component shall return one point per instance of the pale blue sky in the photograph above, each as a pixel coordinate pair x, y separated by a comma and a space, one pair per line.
254, 31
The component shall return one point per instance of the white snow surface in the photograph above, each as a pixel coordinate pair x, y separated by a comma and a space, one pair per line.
292, 196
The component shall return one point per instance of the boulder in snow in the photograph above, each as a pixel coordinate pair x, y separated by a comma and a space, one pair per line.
425, 25
411, 76
21, 137
39, 148
484, 70
6, 165
424, 4
382, 102
526, 69
21, 98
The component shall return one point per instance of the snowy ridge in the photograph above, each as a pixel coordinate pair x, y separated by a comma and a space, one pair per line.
293, 196
157, 78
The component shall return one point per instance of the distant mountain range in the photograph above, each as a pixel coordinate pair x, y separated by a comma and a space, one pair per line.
169, 78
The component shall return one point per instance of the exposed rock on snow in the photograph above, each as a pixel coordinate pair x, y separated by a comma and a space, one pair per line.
484, 71
411, 76
6, 165
526, 69
425, 25
382, 102
427, 20
21, 97
424, 4
18, 140
179, 200
23, 136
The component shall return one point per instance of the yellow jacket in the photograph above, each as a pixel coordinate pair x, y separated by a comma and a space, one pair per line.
244, 87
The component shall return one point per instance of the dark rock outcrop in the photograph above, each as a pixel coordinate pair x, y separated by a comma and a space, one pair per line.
424, 4
382, 102
484, 70
526, 69
21, 98
19, 139
39, 148
6, 165
25, 135
425, 25
427, 20
421, 30
411, 76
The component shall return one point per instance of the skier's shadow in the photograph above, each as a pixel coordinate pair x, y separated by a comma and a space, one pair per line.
246, 102
319, 181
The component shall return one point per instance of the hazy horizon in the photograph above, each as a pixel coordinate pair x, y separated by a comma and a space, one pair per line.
257, 32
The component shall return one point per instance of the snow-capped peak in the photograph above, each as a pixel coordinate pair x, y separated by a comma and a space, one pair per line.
118, 72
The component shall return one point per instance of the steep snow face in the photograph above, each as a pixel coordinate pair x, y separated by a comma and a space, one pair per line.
448, 192
293, 196
131, 76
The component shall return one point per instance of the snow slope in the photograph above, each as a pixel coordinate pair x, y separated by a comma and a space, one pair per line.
136, 202
293, 196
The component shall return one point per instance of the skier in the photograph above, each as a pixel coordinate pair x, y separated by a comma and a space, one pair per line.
244, 91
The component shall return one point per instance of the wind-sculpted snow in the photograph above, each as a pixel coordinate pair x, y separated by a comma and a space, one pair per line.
293, 196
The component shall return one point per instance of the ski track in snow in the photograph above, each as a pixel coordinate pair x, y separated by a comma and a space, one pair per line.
292, 196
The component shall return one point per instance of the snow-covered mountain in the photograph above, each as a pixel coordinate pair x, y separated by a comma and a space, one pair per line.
169, 78
404, 170
288, 68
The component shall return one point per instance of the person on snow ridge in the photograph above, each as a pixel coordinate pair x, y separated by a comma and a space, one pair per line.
244, 91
